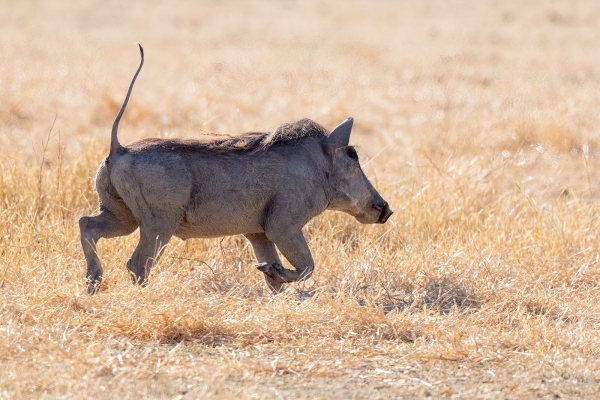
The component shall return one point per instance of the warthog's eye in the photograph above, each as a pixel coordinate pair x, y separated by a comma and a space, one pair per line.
351, 151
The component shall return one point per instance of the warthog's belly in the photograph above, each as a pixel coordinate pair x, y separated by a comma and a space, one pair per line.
208, 229
189, 231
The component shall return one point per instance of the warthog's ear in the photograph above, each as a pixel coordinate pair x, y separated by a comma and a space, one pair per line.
340, 136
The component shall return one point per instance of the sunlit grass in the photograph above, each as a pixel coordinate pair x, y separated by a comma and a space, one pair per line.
476, 122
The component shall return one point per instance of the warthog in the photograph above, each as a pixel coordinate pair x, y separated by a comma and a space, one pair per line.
266, 186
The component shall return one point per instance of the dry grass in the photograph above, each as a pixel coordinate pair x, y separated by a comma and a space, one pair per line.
478, 121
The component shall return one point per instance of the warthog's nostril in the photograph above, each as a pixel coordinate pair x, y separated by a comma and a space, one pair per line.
378, 207
386, 212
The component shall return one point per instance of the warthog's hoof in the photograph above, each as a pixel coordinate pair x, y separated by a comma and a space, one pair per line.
93, 280
276, 272
94, 286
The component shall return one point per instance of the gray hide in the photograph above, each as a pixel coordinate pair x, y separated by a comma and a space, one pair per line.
264, 186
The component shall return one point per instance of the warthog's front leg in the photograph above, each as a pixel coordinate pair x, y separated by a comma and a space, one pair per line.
105, 225
293, 246
266, 254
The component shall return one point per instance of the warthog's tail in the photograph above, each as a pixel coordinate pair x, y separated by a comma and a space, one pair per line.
115, 146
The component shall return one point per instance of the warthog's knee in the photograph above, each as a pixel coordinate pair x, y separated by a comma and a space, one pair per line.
280, 274
83, 221
274, 271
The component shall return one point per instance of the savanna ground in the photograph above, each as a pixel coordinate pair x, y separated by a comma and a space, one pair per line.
478, 121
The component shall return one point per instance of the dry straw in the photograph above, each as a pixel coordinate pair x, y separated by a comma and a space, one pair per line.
479, 124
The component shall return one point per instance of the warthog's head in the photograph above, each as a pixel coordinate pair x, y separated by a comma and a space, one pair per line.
350, 190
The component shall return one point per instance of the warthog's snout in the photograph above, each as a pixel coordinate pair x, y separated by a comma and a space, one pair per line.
385, 212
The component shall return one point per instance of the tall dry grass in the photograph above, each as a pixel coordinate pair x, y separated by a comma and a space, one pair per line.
477, 121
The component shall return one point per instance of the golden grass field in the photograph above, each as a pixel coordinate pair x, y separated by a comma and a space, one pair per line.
479, 121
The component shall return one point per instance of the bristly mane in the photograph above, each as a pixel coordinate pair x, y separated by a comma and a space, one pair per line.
286, 133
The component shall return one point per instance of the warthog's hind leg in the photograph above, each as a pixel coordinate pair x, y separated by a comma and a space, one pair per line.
266, 255
153, 240
104, 225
